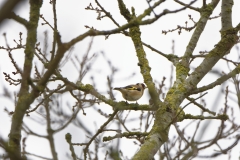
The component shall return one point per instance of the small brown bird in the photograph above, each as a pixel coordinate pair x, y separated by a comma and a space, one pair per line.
132, 92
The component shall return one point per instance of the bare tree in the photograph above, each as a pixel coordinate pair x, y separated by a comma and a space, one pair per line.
44, 88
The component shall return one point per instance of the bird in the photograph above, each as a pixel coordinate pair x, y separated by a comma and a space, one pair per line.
132, 92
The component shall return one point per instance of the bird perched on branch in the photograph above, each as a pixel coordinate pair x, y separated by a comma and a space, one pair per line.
132, 92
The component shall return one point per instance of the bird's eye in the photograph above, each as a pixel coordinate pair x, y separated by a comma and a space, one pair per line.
143, 85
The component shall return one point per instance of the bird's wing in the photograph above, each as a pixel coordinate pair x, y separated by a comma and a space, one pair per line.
130, 87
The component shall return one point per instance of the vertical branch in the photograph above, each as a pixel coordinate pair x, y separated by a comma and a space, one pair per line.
226, 14
55, 30
68, 138
135, 34
24, 99
159, 134
50, 131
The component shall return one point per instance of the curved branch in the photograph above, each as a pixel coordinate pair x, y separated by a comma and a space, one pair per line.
219, 81
19, 19
221, 49
7, 8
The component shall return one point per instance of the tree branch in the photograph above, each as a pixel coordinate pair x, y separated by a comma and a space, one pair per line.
25, 99
226, 14
219, 81
183, 67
